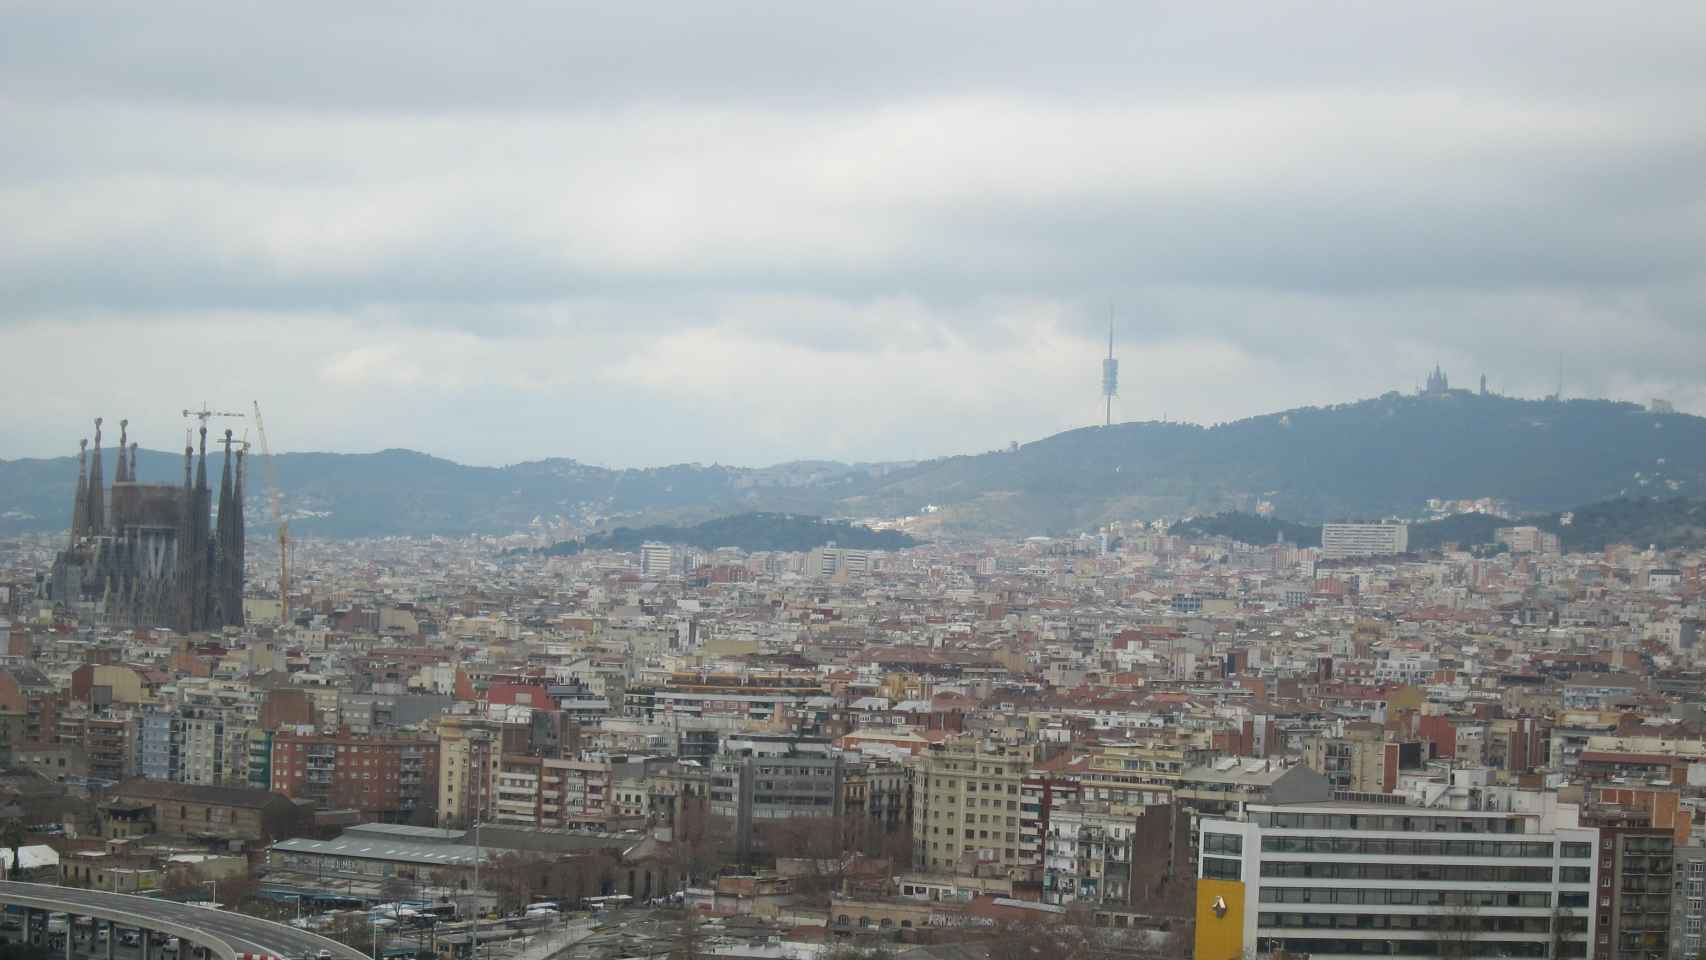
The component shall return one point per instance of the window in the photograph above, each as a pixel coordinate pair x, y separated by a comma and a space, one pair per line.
1223, 843
1220, 868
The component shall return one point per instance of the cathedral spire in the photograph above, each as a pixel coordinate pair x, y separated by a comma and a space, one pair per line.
122, 474
201, 541
94, 512
79, 502
131, 472
223, 545
238, 536
183, 611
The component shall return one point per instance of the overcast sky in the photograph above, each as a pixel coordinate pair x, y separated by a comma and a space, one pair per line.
645, 233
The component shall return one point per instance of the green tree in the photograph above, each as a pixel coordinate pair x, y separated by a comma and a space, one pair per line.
13, 835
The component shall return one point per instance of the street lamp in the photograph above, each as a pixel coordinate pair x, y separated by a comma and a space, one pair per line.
213, 888
476, 940
482, 785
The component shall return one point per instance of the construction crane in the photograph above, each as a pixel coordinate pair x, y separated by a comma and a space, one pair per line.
204, 414
275, 499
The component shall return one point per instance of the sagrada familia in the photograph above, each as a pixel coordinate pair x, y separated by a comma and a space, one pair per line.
146, 555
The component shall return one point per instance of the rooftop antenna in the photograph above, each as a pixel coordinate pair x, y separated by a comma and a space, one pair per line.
1110, 375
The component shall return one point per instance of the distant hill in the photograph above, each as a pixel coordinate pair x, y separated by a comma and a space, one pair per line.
749, 532
1249, 528
1665, 523
404, 493
1380, 457
1463, 529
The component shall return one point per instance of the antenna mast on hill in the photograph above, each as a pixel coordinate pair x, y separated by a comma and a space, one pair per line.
1110, 376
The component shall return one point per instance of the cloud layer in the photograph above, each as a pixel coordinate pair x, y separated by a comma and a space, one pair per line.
639, 234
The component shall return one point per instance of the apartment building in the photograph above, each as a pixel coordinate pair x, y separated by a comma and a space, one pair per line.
758, 780
1355, 879
386, 778
1688, 901
215, 746
966, 801
204, 745
110, 745
470, 751
1342, 540
1636, 878
1131, 776
1363, 760
656, 559
880, 791
1088, 857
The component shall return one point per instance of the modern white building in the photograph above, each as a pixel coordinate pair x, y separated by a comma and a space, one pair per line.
1371, 879
656, 559
831, 560
1342, 540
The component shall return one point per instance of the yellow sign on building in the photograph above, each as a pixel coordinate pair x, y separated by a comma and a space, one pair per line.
1220, 920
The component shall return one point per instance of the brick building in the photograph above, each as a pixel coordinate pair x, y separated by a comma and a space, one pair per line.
215, 813
387, 778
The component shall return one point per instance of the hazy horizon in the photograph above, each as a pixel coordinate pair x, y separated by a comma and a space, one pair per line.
240, 429
748, 234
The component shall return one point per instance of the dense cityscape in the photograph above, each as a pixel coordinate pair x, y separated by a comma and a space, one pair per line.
1126, 742
896, 480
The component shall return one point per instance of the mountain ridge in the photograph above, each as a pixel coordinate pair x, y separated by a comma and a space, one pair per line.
1383, 456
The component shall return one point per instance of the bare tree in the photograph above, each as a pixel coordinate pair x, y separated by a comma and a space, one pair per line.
689, 942
1458, 930
1038, 939
1564, 924
396, 888
511, 878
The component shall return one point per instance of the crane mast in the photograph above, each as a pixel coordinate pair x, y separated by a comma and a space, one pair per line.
275, 500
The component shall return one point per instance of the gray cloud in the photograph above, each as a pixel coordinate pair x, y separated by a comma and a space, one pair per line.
746, 232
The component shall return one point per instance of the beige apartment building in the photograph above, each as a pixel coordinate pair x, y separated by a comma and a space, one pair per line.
966, 801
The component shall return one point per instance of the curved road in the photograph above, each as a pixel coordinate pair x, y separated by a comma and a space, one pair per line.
225, 933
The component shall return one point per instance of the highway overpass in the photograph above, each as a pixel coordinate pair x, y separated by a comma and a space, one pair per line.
227, 936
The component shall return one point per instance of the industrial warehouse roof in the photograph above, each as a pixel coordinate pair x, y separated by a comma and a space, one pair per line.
139, 788
389, 849
404, 832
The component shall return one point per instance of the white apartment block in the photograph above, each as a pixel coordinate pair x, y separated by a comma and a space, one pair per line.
1361, 879
1342, 540
656, 559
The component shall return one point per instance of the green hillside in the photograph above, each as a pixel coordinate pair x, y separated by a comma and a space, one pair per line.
749, 532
